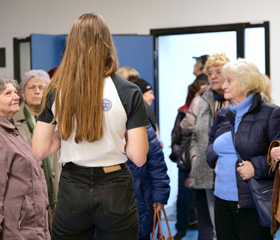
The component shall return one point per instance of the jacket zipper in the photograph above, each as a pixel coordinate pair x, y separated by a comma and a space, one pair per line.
147, 204
20, 211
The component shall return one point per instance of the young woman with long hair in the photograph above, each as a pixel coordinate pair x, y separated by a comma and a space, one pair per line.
98, 119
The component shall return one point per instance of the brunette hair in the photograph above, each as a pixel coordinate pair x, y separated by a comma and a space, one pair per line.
194, 88
89, 57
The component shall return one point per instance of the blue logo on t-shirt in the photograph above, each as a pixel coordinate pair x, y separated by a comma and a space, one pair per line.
107, 105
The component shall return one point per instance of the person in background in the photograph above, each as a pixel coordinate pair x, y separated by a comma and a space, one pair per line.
185, 213
151, 182
23, 189
179, 140
151, 185
210, 102
256, 124
198, 68
128, 73
101, 121
32, 87
148, 96
268, 91
132, 75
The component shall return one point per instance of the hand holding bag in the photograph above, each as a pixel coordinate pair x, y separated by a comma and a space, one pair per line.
275, 203
261, 190
157, 219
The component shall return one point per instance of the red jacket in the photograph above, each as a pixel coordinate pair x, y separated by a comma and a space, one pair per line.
23, 190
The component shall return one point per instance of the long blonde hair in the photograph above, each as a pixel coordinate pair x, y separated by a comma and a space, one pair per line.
89, 57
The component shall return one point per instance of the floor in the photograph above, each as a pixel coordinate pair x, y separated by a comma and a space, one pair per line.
192, 234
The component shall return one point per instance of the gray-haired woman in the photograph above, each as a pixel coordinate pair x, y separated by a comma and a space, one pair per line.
23, 190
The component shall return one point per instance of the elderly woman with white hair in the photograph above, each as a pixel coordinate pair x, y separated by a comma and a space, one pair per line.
253, 124
32, 87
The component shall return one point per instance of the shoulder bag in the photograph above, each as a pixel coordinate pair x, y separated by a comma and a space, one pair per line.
261, 190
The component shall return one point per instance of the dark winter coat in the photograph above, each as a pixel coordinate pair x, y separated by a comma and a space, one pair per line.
151, 183
257, 129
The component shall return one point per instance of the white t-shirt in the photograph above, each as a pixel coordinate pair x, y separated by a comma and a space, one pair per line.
123, 109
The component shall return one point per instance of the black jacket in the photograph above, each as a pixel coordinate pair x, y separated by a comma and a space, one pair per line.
257, 129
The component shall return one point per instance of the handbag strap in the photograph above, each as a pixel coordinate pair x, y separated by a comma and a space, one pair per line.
154, 224
160, 234
166, 220
234, 143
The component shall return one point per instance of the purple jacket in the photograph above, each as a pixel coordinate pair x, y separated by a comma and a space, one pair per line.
23, 190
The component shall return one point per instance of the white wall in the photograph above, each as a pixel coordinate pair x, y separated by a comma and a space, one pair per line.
21, 18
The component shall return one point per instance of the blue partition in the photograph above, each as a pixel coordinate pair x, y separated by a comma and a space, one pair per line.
46, 50
136, 51
132, 50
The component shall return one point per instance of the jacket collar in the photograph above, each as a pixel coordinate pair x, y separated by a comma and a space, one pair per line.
5, 123
256, 102
19, 116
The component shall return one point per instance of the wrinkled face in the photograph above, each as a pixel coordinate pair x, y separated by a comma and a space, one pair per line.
216, 79
197, 68
149, 97
33, 92
232, 89
9, 101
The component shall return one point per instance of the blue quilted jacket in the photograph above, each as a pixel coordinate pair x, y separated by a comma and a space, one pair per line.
151, 183
257, 129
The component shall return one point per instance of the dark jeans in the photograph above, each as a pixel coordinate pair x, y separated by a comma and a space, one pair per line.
205, 227
184, 199
93, 202
238, 225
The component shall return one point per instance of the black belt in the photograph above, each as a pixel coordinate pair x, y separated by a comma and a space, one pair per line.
108, 169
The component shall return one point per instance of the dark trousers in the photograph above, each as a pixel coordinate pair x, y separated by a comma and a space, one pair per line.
238, 224
205, 227
184, 199
93, 202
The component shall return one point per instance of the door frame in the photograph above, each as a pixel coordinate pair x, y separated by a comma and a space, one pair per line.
240, 44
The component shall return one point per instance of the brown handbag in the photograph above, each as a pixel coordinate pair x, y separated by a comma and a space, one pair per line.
275, 202
157, 219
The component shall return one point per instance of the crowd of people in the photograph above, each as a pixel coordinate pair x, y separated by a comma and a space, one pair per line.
81, 155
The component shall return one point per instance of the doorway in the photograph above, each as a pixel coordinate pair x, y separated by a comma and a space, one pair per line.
174, 52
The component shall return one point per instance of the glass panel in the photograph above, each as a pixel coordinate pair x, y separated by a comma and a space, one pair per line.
24, 53
255, 46
176, 73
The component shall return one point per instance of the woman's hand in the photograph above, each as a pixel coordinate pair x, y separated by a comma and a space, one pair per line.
158, 206
246, 170
275, 153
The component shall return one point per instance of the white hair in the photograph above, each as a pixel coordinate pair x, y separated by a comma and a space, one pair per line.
41, 74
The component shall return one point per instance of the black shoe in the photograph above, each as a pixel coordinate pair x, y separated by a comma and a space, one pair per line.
178, 236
